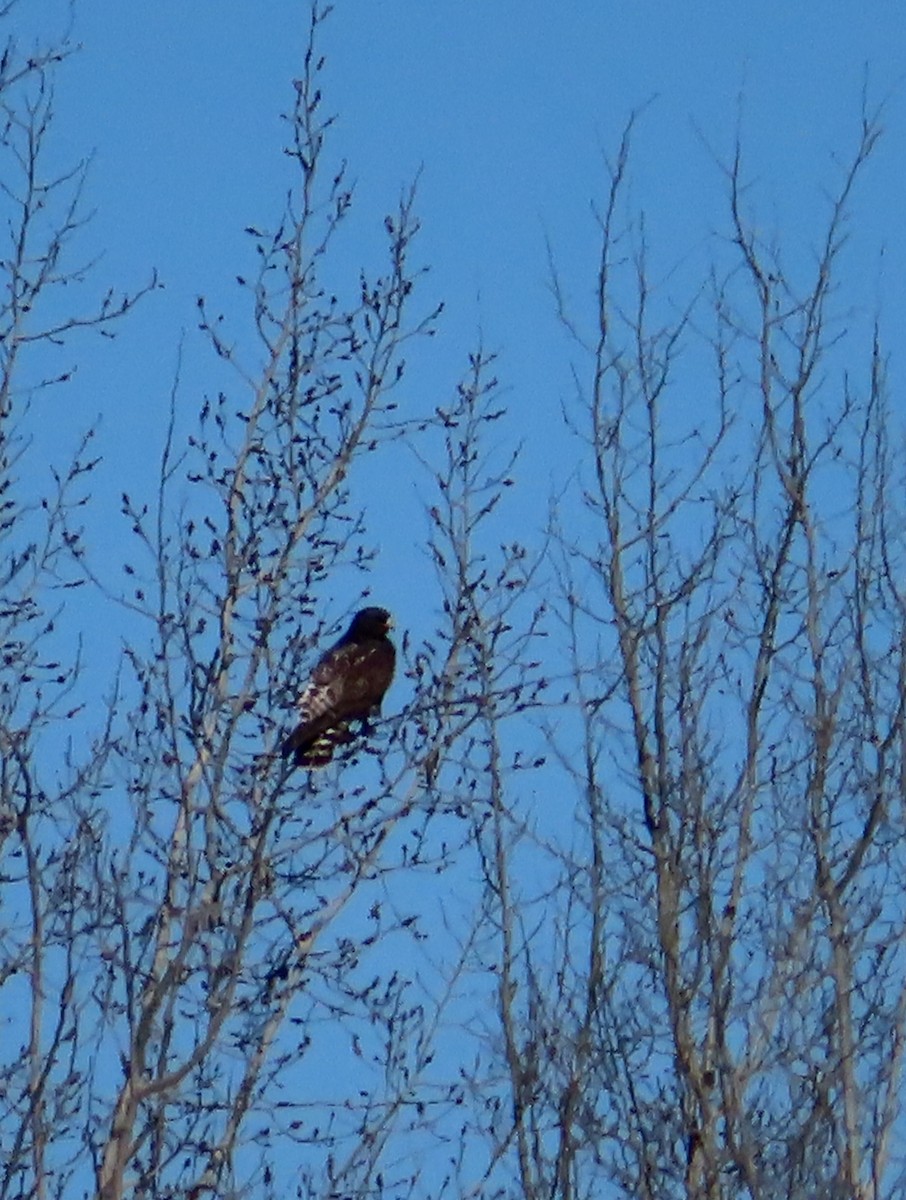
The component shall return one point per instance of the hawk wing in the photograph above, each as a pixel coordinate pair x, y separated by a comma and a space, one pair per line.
324, 691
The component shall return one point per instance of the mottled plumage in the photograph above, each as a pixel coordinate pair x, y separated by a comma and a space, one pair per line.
348, 684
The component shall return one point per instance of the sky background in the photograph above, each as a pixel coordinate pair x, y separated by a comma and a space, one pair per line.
508, 113
508, 110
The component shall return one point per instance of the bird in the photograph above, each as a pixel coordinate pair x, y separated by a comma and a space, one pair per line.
347, 684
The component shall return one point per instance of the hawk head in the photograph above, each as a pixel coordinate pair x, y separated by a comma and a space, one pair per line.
369, 623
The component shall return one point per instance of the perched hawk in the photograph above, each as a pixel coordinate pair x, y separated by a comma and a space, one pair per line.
348, 684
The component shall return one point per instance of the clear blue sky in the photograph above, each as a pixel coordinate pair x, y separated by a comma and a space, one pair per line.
508, 109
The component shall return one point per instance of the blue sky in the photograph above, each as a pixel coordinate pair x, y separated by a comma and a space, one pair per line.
508, 110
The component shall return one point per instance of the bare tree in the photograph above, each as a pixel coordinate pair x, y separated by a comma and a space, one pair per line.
48, 817
187, 950
709, 1000
610, 904
244, 898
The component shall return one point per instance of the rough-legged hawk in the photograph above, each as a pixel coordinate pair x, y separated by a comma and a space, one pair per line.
348, 684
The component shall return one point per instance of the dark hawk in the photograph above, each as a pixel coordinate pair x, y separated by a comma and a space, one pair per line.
348, 684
